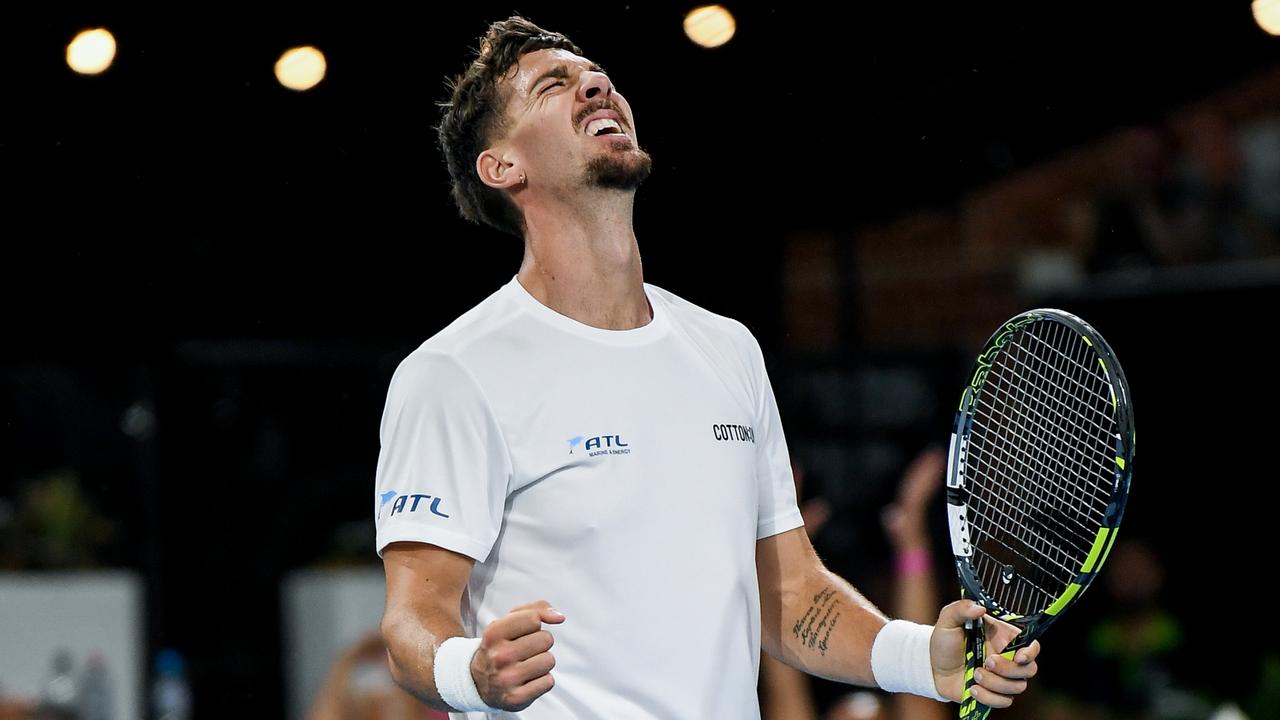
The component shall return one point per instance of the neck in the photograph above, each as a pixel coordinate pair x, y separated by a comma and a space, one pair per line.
582, 260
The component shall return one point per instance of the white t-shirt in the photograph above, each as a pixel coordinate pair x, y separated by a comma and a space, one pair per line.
622, 475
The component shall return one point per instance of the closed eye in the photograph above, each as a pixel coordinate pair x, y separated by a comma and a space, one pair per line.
554, 84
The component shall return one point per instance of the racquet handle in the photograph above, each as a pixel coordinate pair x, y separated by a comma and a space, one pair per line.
974, 658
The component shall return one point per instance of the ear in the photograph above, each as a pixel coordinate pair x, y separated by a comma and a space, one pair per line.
497, 172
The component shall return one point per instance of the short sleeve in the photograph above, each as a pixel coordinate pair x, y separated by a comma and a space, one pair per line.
443, 467
778, 511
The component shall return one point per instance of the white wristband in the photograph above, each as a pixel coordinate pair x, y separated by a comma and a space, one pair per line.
453, 675
900, 659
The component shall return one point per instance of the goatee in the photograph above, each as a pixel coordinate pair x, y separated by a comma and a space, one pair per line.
622, 169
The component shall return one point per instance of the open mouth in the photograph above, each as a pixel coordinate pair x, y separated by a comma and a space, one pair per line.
604, 126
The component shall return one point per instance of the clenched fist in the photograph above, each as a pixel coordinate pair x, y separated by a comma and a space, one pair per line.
512, 666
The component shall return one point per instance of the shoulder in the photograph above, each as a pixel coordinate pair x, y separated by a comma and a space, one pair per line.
487, 318
428, 377
459, 345
444, 363
708, 325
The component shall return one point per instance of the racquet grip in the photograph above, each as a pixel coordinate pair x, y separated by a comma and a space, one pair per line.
974, 658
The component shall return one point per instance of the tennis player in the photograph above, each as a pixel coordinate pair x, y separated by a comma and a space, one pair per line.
587, 461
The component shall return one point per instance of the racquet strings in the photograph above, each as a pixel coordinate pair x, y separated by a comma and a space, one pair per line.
1040, 465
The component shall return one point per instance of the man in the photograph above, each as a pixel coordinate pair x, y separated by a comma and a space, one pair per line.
586, 451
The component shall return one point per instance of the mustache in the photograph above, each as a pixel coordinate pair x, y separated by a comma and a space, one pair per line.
597, 105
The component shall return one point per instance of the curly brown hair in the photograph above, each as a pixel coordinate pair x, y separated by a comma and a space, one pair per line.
474, 115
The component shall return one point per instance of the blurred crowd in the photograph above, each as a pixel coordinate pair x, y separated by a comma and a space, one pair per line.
1196, 190
1199, 189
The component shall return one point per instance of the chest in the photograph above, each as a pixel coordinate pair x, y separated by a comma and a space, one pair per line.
602, 451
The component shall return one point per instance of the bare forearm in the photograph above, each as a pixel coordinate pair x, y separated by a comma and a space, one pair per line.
915, 594
412, 640
331, 701
824, 627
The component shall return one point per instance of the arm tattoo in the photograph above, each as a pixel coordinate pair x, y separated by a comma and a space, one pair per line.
818, 621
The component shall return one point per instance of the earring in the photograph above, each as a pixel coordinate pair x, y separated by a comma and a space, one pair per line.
523, 179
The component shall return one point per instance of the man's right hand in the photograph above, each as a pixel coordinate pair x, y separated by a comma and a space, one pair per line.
512, 666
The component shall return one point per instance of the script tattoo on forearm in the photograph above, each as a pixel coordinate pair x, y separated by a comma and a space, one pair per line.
813, 629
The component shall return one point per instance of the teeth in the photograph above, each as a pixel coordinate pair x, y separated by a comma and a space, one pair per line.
596, 126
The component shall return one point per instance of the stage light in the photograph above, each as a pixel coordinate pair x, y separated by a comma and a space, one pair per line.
92, 51
1267, 13
300, 68
709, 26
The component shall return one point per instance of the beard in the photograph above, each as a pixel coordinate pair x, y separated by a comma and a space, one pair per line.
621, 168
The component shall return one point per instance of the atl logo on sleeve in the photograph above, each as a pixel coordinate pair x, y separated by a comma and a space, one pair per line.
410, 503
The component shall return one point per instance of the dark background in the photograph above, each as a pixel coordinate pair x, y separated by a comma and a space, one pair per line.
244, 265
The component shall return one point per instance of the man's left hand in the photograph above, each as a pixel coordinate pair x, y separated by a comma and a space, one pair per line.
1001, 679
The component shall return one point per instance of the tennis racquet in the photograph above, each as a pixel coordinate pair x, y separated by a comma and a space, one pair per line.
1037, 477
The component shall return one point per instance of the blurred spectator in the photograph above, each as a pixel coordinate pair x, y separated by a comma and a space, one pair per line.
861, 705
1260, 143
786, 693
1134, 213
1214, 219
15, 709
1189, 195
58, 696
360, 687
1133, 651
53, 526
1060, 706
1266, 699
915, 591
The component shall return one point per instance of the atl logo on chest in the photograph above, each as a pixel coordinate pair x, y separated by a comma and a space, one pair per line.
599, 445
